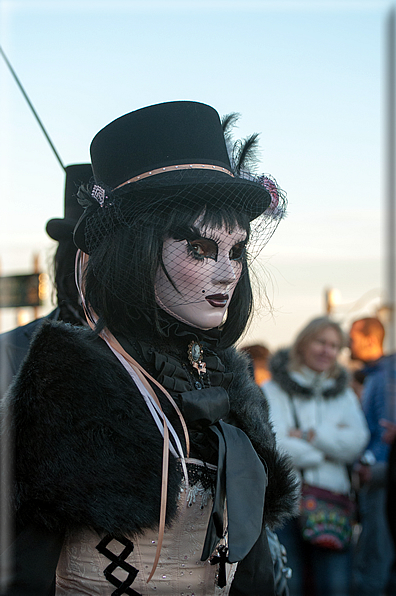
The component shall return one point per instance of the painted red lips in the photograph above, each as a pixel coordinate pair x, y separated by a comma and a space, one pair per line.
217, 300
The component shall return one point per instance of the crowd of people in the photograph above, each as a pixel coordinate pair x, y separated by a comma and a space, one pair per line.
339, 428
148, 454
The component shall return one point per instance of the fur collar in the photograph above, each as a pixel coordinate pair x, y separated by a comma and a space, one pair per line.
87, 450
281, 375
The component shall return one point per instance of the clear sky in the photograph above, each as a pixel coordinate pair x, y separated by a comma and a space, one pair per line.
309, 76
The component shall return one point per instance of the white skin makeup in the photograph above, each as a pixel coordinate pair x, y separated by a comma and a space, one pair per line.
205, 270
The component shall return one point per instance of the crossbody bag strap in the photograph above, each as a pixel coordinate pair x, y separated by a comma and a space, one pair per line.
296, 423
294, 412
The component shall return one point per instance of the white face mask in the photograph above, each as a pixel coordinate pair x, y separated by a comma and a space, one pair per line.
204, 271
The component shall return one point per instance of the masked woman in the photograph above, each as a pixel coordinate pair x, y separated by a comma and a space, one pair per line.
144, 460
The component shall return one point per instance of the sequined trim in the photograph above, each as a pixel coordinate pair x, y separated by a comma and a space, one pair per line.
202, 480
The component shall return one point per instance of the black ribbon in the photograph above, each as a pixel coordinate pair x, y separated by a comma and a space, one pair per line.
241, 479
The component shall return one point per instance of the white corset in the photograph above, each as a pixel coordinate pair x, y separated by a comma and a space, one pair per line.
180, 572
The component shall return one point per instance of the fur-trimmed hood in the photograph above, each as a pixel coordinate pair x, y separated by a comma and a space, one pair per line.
280, 374
87, 451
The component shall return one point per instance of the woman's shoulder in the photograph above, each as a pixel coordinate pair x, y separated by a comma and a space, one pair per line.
243, 391
56, 347
65, 366
56, 342
83, 435
54, 336
232, 357
273, 391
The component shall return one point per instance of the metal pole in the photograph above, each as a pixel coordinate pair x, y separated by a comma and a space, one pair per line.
25, 95
390, 175
391, 204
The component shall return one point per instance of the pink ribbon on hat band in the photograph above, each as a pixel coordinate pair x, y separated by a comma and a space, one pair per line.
184, 166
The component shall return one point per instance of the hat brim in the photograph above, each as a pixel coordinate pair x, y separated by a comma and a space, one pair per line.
219, 191
60, 229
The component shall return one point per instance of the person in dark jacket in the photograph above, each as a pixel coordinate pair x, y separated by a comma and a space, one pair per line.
374, 551
14, 344
390, 437
144, 458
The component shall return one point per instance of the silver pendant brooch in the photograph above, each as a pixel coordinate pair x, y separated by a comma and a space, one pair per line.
195, 355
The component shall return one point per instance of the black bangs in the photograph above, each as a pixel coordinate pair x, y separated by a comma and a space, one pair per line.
200, 219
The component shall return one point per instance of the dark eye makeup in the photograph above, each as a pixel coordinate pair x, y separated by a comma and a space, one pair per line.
203, 248
237, 251
206, 248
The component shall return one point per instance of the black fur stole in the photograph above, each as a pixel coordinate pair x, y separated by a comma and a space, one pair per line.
87, 451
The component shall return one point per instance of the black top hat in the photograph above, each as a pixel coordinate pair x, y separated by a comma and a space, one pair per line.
165, 147
60, 229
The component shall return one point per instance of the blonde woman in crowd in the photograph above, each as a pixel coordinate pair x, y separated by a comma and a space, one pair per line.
319, 423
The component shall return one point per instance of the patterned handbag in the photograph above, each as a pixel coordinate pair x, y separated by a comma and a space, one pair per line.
326, 518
